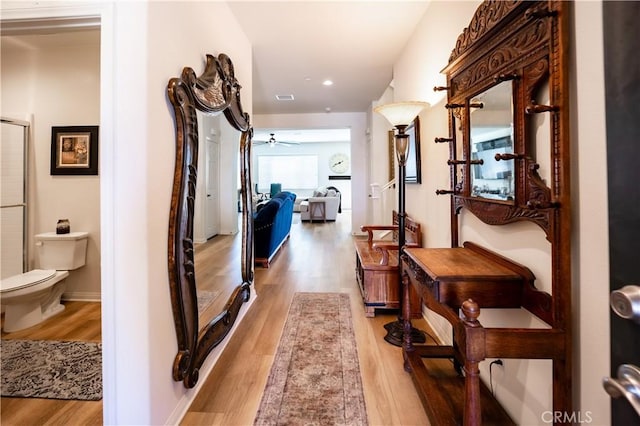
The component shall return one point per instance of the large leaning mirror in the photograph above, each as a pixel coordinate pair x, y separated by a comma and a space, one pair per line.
208, 116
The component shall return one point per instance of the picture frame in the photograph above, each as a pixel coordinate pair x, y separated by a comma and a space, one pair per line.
413, 168
74, 150
392, 155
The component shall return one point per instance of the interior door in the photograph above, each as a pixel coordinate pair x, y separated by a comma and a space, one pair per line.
212, 203
622, 68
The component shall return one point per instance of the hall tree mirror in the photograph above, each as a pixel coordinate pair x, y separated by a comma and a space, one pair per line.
207, 112
503, 107
507, 98
491, 133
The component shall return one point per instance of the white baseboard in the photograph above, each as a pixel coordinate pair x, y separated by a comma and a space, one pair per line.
440, 326
81, 296
185, 402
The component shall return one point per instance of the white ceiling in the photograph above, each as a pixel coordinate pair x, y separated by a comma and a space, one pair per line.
296, 46
299, 44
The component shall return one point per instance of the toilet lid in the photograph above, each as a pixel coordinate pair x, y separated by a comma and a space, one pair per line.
28, 278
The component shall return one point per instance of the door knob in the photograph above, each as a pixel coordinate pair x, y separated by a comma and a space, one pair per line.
627, 384
625, 302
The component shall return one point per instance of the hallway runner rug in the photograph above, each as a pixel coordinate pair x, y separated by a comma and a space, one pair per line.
315, 377
51, 369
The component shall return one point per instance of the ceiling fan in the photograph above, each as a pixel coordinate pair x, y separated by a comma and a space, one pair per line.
273, 142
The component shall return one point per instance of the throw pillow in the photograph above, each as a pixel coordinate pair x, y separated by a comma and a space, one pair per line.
320, 192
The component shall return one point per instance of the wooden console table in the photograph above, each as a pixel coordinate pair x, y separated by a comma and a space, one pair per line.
465, 279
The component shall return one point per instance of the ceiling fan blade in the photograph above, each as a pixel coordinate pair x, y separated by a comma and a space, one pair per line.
273, 141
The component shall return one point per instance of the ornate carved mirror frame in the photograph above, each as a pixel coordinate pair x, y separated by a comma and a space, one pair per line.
215, 91
524, 43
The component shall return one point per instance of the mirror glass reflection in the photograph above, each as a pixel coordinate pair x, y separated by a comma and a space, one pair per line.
216, 223
459, 147
491, 134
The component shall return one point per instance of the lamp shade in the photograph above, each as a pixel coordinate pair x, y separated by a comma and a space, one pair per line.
401, 113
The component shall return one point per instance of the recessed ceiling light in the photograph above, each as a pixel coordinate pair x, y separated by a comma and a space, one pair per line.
284, 97
328, 83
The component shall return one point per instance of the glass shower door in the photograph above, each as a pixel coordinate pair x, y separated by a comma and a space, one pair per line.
13, 197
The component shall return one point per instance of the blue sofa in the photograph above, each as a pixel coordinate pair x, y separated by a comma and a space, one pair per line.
271, 224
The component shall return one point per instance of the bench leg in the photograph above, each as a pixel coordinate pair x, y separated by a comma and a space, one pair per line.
369, 311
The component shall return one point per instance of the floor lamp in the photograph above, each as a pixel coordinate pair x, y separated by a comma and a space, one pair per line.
401, 115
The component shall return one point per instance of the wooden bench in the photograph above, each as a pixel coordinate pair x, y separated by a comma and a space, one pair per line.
377, 267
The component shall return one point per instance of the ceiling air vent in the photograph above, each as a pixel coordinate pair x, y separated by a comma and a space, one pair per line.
284, 97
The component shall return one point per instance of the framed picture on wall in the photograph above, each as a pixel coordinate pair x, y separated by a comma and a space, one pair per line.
392, 156
413, 170
74, 150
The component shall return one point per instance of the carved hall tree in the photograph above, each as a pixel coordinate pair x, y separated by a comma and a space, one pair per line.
507, 70
215, 91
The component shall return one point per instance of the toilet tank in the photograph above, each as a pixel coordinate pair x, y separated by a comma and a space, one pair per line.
62, 252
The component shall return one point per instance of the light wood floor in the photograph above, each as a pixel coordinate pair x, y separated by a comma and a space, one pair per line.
318, 257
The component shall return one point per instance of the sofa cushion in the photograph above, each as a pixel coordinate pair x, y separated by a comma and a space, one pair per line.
268, 211
320, 192
285, 194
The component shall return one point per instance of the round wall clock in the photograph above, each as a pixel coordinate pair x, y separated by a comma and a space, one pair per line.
339, 163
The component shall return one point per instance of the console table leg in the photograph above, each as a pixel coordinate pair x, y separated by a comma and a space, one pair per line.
472, 415
407, 338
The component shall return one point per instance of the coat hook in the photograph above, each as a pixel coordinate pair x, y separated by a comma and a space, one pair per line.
441, 140
534, 108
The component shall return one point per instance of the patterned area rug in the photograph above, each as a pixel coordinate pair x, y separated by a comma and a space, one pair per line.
51, 369
315, 377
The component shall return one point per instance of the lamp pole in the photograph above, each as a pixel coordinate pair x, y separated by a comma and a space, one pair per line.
395, 329
401, 115
402, 150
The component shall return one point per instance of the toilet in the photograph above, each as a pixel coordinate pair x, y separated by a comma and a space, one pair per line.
34, 296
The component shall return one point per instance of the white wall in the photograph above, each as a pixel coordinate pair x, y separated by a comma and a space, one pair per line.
227, 176
589, 192
380, 160
524, 387
208, 127
357, 122
143, 46
229, 172
54, 84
